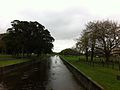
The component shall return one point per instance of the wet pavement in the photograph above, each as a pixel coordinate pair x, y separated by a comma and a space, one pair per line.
60, 78
49, 74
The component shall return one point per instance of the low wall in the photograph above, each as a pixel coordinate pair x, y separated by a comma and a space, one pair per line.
86, 82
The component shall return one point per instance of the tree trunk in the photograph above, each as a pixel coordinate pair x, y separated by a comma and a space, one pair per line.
92, 55
112, 64
119, 66
22, 52
86, 54
107, 59
38, 55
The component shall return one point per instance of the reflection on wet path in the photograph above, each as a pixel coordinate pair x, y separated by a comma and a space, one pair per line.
60, 78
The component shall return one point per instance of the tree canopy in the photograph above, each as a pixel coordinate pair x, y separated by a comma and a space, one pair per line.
102, 36
69, 51
28, 37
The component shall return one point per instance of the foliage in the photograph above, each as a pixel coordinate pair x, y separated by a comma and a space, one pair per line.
69, 51
2, 44
100, 36
28, 37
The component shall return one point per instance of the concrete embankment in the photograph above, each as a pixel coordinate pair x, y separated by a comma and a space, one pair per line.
87, 82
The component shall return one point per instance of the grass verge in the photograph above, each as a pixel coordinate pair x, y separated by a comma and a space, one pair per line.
106, 77
11, 62
5, 56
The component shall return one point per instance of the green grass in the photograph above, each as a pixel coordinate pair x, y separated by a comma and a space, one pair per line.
5, 56
106, 77
6, 60
11, 62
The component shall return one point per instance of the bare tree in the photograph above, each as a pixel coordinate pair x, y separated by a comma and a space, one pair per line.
107, 37
101, 35
83, 44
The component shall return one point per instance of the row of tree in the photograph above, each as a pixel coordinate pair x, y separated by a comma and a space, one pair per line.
26, 38
99, 38
69, 51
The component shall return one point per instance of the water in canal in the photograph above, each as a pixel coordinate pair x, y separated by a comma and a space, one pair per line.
49, 74
30, 77
60, 78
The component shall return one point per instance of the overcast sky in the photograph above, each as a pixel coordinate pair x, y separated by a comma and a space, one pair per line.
65, 19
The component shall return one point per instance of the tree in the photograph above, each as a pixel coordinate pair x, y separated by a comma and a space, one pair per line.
28, 37
2, 43
83, 44
69, 51
101, 35
107, 37
91, 31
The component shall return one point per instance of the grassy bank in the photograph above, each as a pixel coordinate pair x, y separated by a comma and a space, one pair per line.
6, 60
5, 56
106, 77
11, 62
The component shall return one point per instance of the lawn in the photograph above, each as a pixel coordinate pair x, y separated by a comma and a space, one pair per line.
5, 56
104, 76
10, 62
6, 60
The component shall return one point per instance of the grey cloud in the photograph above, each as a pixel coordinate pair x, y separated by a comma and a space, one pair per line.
65, 24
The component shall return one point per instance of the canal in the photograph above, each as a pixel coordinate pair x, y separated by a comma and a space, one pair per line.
50, 74
29, 77
60, 78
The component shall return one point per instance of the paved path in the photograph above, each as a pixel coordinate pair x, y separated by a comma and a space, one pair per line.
60, 78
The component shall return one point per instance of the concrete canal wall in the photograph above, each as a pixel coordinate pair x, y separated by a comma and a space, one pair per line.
86, 82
